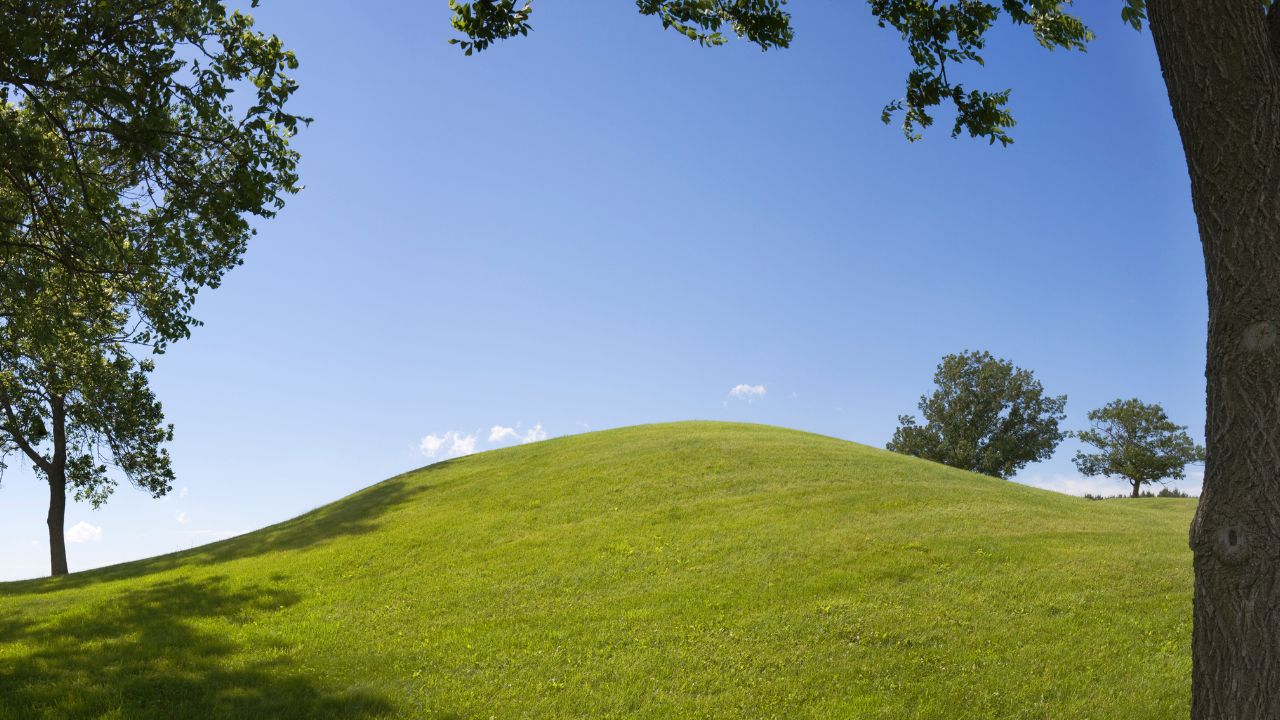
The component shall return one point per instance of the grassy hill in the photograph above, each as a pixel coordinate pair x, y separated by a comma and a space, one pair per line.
704, 570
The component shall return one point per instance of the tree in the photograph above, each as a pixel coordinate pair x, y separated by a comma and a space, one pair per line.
75, 407
985, 415
1137, 442
136, 137
1220, 60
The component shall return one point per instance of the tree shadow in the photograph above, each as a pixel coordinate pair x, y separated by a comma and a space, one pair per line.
355, 514
147, 653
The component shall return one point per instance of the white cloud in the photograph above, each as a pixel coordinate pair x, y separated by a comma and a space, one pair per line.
450, 444
84, 532
1074, 484
1078, 485
462, 445
183, 492
431, 444
535, 434
498, 433
182, 518
750, 393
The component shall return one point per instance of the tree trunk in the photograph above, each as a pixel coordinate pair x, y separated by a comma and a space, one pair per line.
57, 473
55, 470
1223, 77
57, 521
1137, 487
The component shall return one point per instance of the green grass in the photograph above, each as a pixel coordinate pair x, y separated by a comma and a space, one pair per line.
703, 570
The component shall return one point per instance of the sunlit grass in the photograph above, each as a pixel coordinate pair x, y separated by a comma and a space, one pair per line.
682, 570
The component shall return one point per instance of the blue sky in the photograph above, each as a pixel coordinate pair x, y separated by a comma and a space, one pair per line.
602, 225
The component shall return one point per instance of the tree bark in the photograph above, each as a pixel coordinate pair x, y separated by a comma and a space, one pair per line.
1137, 487
1223, 77
57, 474
55, 470
56, 522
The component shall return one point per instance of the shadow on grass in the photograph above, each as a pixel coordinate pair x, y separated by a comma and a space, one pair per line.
357, 514
145, 654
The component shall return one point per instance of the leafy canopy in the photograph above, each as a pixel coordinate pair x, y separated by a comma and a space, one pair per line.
1137, 442
80, 410
940, 37
136, 139
984, 415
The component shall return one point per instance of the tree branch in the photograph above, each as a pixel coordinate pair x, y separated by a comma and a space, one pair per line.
30, 452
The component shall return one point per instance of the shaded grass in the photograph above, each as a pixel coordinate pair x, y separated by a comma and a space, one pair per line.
683, 570
158, 652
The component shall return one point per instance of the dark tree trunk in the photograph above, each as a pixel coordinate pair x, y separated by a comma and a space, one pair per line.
57, 521
57, 473
1221, 70
55, 470
1137, 487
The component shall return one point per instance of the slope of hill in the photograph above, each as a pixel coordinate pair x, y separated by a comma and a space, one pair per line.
682, 570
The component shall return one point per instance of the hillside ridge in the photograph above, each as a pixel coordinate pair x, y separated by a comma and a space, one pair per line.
687, 569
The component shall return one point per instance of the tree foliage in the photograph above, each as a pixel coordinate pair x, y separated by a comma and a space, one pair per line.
939, 37
1137, 442
137, 139
984, 415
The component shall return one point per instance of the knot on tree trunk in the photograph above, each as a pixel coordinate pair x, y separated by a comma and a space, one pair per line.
1231, 544
1260, 336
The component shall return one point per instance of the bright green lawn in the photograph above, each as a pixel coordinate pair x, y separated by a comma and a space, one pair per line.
703, 570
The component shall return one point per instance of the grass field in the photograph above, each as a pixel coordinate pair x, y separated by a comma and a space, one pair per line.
702, 570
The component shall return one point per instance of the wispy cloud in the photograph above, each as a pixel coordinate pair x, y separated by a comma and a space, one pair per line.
183, 492
750, 393
534, 434
1073, 484
84, 532
449, 444
462, 445
502, 433
498, 434
1079, 485
181, 517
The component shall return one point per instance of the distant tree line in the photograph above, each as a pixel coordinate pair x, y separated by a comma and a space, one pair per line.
989, 416
1166, 492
